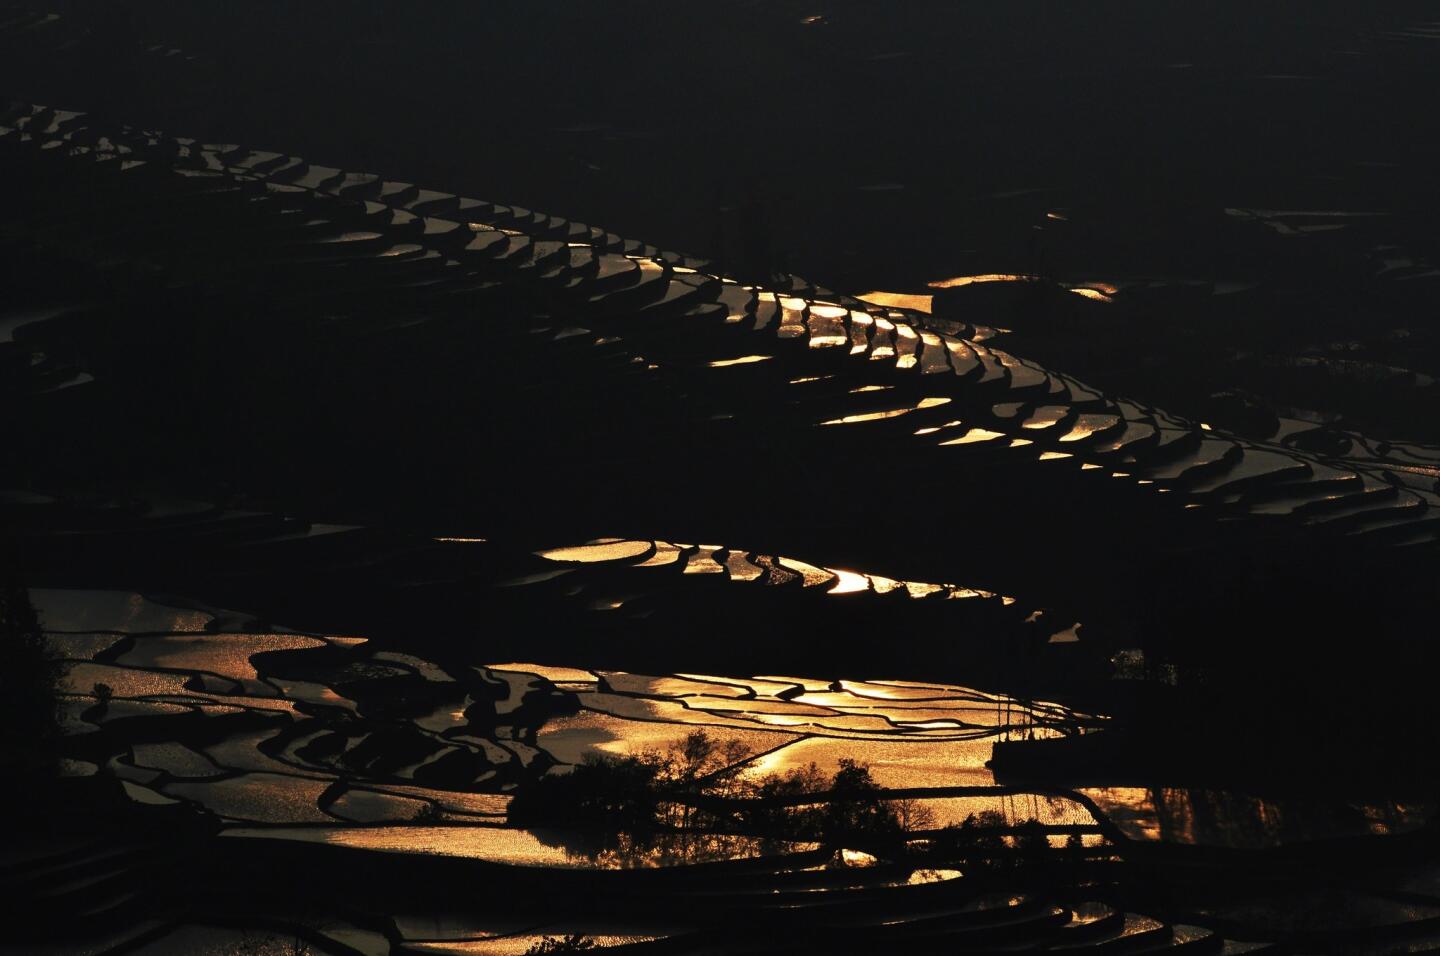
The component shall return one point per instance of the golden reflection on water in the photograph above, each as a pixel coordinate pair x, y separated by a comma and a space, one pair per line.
943, 728
973, 436
626, 851
792, 318
860, 322
647, 728
935, 428
517, 944
258, 797
1014, 809
933, 875
883, 585
766, 308
551, 672
670, 686
1046, 416
665, 553
1088, 424
869, 416
544, 848
906, 343
703, 561
598, 551
933, 359
225, 654
810, 574
827, 326
893, 765
80, 647
740, 569
349, 237
74, 610
957, 282
849, 583
80, 678
899, 300
742, 360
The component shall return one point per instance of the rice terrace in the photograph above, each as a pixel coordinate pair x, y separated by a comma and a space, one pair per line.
936, 477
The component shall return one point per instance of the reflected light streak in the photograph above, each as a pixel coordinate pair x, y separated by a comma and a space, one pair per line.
959, 281
742, 360
598, 551
868, 417
810, 574
850, 582
665, 553
740, 568
973, 436
899, 300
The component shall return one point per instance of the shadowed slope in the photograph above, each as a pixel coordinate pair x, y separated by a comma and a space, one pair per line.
460, 342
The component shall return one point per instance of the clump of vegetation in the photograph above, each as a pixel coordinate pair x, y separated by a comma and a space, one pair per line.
698, 785
986, 843
848, 805
561, 944
913, 815
29, 683
635, 793
976, 843
430, 813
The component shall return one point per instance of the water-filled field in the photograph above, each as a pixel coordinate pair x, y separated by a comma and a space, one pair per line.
536, 477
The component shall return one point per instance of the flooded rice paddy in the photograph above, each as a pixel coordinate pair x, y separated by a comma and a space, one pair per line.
253, 744
389, 752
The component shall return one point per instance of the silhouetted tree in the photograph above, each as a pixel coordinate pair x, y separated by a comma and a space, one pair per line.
857, 806
602, 793
975, 843
912, 815
1032, 845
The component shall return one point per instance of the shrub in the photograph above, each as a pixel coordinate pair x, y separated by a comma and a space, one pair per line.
677, 790
430, 813
974, 842
561, 944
